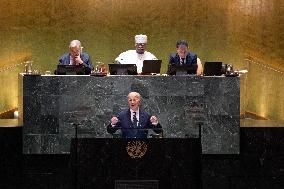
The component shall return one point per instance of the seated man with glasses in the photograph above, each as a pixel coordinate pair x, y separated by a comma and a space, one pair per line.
136, 56
77, 57
183, 56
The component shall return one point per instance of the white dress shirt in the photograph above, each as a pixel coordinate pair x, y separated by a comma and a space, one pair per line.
132, 114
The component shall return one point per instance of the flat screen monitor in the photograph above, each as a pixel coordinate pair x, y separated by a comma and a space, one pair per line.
122, 69
151, 66
70, 70
182, 69
212, 69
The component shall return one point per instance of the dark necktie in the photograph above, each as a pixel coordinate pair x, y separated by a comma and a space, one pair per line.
182, 61
135, 121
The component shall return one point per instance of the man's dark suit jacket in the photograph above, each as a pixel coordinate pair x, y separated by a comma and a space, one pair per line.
127, 128
191, 59
65, 60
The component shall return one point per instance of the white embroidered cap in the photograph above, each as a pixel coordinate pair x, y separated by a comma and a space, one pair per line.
140, 38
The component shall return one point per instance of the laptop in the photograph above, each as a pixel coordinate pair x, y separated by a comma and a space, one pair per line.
182, 70
70, 70
151, 66
122, 69
212, 69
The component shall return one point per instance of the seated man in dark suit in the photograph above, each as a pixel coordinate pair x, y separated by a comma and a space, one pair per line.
77, 57
134, 122
183, 56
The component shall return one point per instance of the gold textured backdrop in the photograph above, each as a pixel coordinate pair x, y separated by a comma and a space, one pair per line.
217, 30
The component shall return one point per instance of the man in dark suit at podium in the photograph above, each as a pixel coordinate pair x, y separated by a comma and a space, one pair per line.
134, 122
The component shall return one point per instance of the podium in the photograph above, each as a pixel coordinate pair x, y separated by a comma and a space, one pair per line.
128, 163
50, 107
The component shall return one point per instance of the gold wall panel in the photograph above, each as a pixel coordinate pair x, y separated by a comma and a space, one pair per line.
218, 30
264, 91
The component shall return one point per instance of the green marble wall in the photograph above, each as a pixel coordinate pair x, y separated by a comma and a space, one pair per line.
223, 30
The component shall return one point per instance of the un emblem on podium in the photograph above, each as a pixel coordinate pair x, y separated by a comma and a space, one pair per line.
136, 149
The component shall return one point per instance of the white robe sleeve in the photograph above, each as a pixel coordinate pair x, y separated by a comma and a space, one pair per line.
127, 57
150, 56
120, 58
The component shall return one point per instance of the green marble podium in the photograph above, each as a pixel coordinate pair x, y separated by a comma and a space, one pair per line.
187, 107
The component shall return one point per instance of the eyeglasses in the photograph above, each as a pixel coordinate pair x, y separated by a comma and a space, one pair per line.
141, 44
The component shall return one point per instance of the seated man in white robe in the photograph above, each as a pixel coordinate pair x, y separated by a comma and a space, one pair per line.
136, 56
